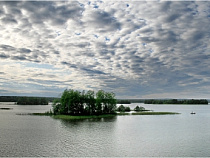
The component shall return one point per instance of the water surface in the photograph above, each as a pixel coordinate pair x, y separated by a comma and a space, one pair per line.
183, 135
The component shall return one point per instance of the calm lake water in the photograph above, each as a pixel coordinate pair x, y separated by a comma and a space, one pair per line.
183, 135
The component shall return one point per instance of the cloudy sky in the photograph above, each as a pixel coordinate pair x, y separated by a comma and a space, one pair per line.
141, 49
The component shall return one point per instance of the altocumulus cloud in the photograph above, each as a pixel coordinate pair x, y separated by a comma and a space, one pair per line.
135, 49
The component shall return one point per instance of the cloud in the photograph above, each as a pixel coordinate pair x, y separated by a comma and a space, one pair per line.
8, 20
132, 48
102, 21
24, 50
4, 56
7, 48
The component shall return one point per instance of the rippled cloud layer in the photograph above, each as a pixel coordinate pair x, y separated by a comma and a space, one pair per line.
135, 49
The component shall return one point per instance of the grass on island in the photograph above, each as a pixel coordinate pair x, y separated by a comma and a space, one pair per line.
71, 117
123, 113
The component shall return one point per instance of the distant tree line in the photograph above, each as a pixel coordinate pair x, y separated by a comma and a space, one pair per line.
120, 101
16, 98
175, 101
73, 102
136, 100
9, 98
129, 101
32, 101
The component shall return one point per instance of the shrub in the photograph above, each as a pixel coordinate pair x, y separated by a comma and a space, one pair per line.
137, 108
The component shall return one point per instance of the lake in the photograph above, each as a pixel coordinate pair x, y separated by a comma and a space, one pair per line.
182, 135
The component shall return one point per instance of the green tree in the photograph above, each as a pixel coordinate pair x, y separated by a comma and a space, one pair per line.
80, 103
90, 103
56, 106
110, 102
121, 108
105, 102
64, 107
71, 102
137, 108
99, 101
75, 103
127, 109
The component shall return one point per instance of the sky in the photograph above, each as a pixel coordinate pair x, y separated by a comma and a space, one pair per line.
136, 49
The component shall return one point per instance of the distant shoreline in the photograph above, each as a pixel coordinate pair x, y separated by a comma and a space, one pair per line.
119, 101
176, 101
6, 108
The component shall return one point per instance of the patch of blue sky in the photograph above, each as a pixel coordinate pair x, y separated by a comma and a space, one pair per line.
81, 5
58, 33
95, 6
151, 50
78, 34
107, 39
144, 44
40, 66
96, 36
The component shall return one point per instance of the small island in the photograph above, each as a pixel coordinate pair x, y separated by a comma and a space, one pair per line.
74, 104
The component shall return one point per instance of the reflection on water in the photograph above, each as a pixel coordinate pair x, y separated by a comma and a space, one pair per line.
80, 121
133, 136
93, 135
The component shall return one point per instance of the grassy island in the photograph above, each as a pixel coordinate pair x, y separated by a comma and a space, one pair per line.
80, 105
74, 117
70, 117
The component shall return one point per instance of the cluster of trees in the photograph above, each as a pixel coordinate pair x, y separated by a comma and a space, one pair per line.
175, 101
32, 101
122, 108
137, 108
73, 102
